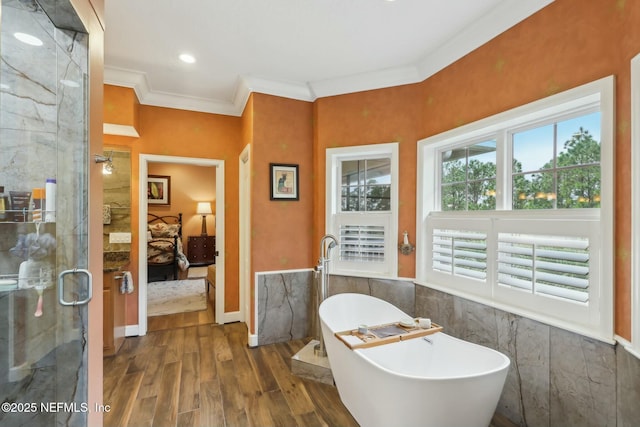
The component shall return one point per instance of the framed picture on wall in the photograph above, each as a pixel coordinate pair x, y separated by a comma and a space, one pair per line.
284, 182
159, 190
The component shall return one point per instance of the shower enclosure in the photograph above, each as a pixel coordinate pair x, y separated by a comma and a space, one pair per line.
44, 282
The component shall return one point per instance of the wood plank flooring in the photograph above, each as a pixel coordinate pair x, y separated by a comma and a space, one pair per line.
190, 372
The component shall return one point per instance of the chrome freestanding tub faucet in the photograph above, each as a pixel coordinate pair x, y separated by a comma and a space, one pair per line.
323, 270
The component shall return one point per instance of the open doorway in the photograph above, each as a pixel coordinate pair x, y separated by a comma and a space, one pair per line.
215, 225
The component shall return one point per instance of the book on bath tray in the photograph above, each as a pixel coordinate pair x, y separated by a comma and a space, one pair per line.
387, 331
364, 337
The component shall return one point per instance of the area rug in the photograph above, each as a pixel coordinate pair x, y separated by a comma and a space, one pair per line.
176, 296
197, 272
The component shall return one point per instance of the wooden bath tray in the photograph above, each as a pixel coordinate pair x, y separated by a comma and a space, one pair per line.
384, 334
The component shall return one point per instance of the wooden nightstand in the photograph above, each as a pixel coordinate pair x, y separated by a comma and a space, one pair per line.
201, 250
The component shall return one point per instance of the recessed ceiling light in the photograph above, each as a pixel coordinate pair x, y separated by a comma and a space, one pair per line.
189, 59
28, 39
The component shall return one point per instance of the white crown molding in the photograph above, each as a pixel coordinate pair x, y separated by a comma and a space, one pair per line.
299, 91
498, 20
127, 78
366, 81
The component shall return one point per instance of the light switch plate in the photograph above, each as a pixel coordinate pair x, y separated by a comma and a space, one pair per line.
119, 237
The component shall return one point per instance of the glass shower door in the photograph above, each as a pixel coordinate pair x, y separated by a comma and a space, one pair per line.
43, 215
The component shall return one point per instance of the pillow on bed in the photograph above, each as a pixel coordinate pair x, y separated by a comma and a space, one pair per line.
164, 230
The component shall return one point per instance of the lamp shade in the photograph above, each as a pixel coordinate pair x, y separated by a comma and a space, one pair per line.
204, 208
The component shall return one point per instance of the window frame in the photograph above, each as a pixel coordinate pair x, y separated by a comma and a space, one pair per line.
634, 346
598, 322
334, 156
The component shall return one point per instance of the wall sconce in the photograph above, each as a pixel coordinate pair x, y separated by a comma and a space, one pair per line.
107, 163
405, 247
204, 209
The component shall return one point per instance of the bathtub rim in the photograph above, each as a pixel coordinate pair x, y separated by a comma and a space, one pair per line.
361, 352
506, 362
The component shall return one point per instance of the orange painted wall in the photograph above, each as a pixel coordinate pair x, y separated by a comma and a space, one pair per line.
171, 132
279, 131
568, 43
372, 117
121, 106
190, 184
282, 231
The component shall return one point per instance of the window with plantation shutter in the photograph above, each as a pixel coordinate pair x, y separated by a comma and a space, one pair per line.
362, 200
516, 210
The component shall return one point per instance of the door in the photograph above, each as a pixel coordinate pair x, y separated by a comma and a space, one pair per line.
44, 282
245, 238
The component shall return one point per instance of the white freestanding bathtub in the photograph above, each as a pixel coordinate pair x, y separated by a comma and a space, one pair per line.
445, 382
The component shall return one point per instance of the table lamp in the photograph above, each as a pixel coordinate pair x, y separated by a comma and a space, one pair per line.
204, 209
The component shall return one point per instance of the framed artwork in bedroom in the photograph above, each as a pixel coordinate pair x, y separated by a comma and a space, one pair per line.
159, 190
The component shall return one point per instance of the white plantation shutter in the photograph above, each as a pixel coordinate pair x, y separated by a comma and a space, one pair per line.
460, 253
549, 265
524, 260
363, 243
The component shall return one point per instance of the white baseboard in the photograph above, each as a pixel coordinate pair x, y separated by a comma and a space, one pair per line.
252, 340
233, 316
131, 331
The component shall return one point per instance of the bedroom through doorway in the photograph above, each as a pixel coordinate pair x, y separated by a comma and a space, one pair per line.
181, 266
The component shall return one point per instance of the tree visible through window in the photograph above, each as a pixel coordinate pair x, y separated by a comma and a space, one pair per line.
547, 171
570, 176
366, 185
469, 177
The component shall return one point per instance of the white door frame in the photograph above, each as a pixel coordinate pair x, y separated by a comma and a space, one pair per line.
245, 239
145, 159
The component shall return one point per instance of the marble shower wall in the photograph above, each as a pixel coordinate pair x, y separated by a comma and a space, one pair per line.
117, 202
43, 134
556, 378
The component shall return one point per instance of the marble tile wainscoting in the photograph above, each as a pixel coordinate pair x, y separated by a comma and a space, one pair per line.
287, 304
556, 377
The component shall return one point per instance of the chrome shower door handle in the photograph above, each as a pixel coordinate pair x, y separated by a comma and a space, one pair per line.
89, 282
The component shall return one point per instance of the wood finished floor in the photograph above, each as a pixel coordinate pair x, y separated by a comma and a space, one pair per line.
190, 372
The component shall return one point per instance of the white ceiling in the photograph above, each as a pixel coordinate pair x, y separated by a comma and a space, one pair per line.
300, 49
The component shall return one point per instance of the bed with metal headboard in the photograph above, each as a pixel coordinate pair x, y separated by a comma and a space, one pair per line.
165, 255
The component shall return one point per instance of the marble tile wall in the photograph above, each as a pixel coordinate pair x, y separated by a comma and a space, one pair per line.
287, 302
117, 196
556, 377
284, 306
